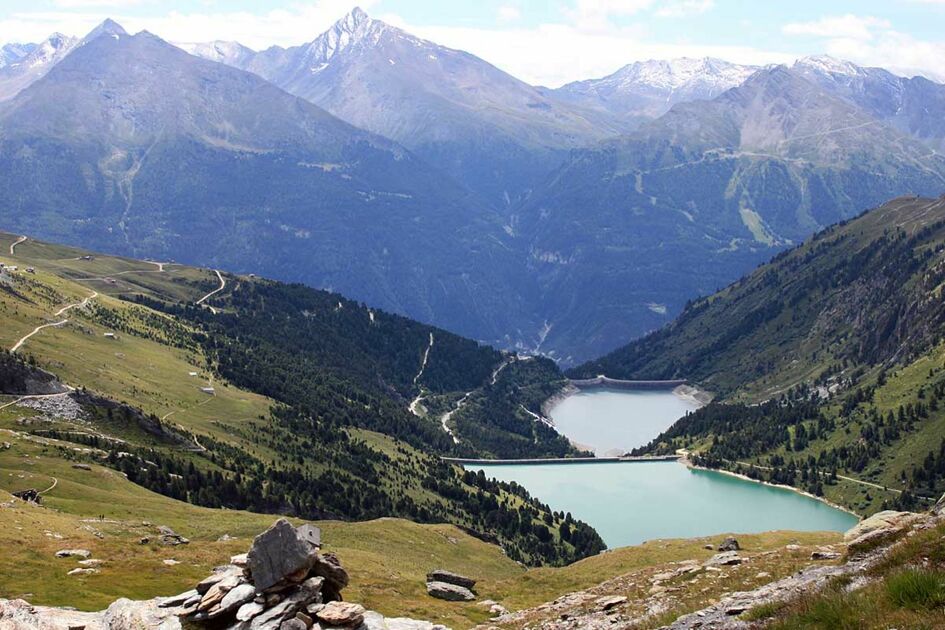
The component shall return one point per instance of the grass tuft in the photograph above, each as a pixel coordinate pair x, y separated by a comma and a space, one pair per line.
916, 589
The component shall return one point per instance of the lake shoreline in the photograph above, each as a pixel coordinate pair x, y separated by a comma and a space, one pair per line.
685, 461
686, 392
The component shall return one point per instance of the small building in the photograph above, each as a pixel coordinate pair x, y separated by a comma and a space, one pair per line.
109, 335
208, 390
12, 268
192, 374
30, 270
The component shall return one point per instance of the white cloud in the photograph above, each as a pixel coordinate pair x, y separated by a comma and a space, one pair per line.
870, 41
684, 8
554, 54
847, 26
508, 14
302, 22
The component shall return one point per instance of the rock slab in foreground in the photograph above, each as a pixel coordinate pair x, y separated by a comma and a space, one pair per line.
441, 575
279, 553
450, 592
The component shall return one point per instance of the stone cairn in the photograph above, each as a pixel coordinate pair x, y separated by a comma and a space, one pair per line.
283, 583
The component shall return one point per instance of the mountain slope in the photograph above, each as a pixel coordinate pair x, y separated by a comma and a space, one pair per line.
827, 361
131, 145
915, 106
716, 186
648, 89
490, 131
22, 64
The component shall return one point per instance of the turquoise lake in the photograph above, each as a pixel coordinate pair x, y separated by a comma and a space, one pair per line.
629, 503
613, 421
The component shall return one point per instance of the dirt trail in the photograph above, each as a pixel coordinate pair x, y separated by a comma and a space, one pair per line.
58, 313
13, 245
214, 292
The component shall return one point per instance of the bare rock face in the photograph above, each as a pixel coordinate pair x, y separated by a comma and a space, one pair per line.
278, 554
440, 575
450, 592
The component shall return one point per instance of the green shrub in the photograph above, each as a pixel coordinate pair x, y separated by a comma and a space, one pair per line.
916, 589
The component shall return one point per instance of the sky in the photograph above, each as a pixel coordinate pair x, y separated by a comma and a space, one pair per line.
544, 42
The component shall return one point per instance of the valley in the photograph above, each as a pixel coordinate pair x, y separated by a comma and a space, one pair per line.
331, 326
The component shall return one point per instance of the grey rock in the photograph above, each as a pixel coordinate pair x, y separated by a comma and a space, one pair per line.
306, 592
824, 555
729, 544
311, 534
441, 575
450, 592
125, 614
178, 600
278, 553
238, 596
69, 553
606, 603
248, 611
293, 624
726, 558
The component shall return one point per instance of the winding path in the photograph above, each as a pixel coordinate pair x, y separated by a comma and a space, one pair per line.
214, 292
423, 365
14, 244
58, 313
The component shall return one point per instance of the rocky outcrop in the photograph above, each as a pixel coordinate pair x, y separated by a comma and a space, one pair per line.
729, 544
450, 592
441, 575
282, 583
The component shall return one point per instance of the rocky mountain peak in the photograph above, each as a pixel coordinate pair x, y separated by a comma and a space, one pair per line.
108, 27
828, 65
354, 28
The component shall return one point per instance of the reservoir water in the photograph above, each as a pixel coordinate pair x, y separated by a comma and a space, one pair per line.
629, 503
614, 421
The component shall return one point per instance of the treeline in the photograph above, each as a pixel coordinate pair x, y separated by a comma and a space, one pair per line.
496, 419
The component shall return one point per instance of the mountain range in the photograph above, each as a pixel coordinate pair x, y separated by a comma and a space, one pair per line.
425, 181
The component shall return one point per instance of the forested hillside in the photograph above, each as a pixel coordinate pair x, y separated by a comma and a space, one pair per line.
840, 340
265, 397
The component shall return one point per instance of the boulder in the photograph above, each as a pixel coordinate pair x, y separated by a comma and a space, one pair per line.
279, 553
341, 614
873, 539
125, 614
450, 592
824, 555
82, 572
293, 624
441, 575
376, 621
726, 558
68, 553
170, 537
336, 578
729, 544
887, 519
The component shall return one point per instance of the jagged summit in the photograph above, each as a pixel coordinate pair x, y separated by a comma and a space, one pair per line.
356, 27
108, 27
673, 74
829, 64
